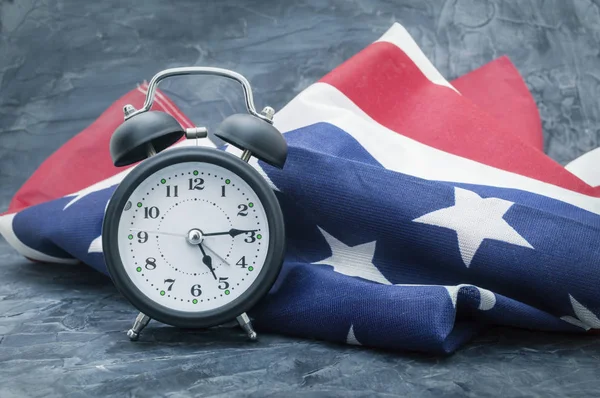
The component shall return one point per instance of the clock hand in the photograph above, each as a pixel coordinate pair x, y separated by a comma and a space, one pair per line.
159, 232
207, 260
232, 232
216, 254
184, 235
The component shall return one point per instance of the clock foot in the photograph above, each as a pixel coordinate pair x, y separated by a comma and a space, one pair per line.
141, 321
246, 324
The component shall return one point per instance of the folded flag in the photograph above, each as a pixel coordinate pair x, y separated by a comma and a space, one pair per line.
417, 211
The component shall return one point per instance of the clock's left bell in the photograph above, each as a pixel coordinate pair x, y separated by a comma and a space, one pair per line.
142, 135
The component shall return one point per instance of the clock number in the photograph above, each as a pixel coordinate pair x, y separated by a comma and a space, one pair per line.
150, 263
151, 212
243, 210
223, 284
242, 262
251, 237
196, 290
171, 281
222, 191
142, 237
175, 191
196, 183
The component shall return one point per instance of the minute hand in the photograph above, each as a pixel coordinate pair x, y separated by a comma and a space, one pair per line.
232, 232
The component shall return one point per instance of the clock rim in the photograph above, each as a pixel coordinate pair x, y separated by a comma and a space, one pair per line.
201, 319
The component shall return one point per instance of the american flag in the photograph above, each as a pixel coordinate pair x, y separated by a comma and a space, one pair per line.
418, 211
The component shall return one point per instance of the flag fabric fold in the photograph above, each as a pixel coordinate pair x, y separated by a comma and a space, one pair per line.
418, 211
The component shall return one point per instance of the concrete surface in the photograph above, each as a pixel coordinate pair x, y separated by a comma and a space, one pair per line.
62, 62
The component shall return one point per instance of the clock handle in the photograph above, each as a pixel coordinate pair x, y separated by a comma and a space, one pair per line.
152, 131
202, 70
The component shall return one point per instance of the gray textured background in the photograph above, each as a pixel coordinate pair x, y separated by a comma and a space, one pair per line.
63, 62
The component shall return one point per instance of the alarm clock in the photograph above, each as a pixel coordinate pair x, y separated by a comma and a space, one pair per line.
194, 236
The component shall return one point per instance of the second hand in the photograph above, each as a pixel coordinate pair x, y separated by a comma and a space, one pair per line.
158, 232
181, 236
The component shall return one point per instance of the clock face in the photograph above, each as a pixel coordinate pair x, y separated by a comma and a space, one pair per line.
192, 236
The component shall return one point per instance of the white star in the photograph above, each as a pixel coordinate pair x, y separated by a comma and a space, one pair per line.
475, 219
586, 319
351, 338
353, 260
96, 245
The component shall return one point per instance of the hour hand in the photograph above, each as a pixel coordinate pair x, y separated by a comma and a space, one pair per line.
233, 232
207, 260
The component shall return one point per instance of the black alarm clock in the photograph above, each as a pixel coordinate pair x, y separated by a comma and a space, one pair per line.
194, 236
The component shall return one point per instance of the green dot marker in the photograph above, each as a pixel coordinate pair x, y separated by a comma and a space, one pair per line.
139, 204
130, 237
227, 181
250, 268
139, 269
163, 181
227, 292
196, 173
259, 236
162, 292
250, 204
195, 301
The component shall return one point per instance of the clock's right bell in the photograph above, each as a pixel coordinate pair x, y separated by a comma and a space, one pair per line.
258, 136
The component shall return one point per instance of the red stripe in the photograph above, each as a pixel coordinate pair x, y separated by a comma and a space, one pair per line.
384, 82
498, 89
84, 159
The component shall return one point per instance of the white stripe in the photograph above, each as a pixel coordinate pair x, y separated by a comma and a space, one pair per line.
117, 178
324, 103
7, 232
400, 37
164, 102
167, 104
587, 167
144, 90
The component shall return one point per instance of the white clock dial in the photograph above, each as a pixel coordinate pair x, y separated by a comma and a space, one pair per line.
193, 236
